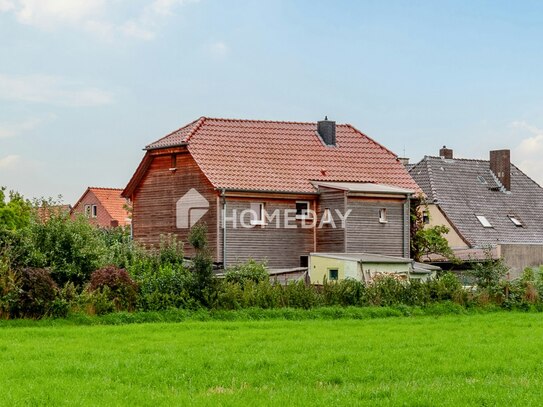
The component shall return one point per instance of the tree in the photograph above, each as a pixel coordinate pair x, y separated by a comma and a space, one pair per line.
14, 214
426, 240
202, 264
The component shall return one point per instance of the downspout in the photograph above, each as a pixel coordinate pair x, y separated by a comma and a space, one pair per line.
223, 229
407, 225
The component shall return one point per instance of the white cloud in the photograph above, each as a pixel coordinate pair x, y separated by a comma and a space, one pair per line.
9, 161
49, 13
530, 150
6, 5
17, 128
51, 89
94, 16
218, 49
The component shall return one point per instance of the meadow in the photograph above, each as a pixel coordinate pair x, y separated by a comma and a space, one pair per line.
479, 359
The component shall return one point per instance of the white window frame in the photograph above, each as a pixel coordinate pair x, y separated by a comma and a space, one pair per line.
330, 272
383, 215
484, 221
326, 216
516, 221
257, 207
94, 211
88, 211
306, 216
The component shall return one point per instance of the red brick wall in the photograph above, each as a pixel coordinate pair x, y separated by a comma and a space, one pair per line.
103, 219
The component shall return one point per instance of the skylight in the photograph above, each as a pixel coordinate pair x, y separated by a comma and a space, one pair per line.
481, 179
515, 220
484, 221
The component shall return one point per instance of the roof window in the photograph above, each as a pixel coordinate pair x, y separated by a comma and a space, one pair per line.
484, 221
516, 221
481, 179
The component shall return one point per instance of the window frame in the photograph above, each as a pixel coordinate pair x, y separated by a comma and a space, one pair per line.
483, 220
88, 211
261, 221
94, 211
308, 214
516, 221
330, 270
383, 215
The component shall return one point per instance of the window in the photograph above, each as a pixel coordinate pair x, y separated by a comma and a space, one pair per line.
304, 261
426, 217
88, 211
94, 211
515, 220
257, 213
326, 216
383, 215
302, 210
333, 274
484, 221
481, 179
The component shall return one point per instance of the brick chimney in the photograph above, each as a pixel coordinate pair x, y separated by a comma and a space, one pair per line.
500, 165
446, 153
327, 130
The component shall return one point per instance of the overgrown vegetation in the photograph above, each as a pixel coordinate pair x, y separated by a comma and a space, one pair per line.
54, 266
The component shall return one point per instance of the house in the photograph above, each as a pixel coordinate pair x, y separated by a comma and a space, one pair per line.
490, 206
104, 207
365, 267
273, 191
46, 210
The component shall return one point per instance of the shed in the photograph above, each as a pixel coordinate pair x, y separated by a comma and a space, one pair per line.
359, 266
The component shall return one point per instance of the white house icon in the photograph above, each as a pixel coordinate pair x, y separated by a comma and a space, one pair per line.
190, 208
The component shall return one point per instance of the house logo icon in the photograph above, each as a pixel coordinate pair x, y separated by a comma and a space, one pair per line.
190, 208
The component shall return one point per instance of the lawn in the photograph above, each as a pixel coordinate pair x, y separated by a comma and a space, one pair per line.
487, 359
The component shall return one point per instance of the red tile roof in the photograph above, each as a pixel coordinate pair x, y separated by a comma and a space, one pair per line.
112, 201
284, 156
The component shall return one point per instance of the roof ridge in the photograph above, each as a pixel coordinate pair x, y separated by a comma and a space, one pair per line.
371, 139
269, 121
175, 131
455, 158
196, 127
106, 188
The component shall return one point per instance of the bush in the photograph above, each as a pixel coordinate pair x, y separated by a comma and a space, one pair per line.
248, 271
37, 293
121, 290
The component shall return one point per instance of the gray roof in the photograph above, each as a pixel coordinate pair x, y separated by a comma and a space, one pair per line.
366, 187
464, 188
365, 257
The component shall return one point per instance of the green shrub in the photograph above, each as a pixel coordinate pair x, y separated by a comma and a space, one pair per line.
37, 292
248, 271
9, 289
122, 290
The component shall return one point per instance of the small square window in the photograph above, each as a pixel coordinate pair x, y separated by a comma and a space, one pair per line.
484, 221
426, 217
94, 211
257, 213
326, 216
383, 215
302, 210
516, 221
333, 274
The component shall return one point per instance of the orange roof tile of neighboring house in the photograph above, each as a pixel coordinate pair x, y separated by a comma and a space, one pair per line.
112, 201
284, 156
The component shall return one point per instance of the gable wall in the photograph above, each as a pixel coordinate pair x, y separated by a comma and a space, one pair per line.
103, 218
155, 199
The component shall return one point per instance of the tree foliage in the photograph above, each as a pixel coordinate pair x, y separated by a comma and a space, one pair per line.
427, 240
15, 213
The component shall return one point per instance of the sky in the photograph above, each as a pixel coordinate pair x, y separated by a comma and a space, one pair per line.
86, 84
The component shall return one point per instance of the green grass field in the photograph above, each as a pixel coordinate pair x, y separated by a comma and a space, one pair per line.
487, 359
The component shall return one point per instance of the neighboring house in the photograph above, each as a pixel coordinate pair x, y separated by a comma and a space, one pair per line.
365, 267
45, 211
104, 207
273, 191
488, 205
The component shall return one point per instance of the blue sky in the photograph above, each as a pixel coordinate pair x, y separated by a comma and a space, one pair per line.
86, 84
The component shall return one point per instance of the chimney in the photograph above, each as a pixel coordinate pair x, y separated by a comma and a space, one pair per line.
404, 160
446, 153
500, 165
327, 130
